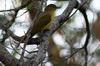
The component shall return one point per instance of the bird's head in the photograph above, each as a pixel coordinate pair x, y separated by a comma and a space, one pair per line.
51, 7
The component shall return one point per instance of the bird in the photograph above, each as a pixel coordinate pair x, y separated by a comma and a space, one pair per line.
44, 19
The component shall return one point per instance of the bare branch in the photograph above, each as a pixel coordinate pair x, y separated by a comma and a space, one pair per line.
83, 11
17, 38
46, 34
18, 8
5, 56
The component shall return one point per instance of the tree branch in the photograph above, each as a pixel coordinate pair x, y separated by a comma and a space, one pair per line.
17, 38
6, 58
46, 34
83, 11
18, 8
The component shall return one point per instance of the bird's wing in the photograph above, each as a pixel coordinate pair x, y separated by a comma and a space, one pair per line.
41, 22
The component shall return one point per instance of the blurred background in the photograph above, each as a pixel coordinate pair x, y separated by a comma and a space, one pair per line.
64, 41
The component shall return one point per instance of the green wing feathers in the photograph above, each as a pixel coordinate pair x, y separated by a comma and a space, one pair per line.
42, 23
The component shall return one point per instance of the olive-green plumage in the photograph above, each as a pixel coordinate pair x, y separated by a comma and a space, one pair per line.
44, 19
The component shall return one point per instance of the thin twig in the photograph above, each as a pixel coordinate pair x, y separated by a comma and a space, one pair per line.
23, 50
18, 8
